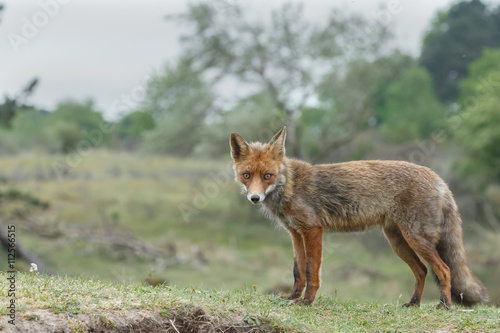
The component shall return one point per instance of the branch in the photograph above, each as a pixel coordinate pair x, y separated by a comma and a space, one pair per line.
334, 144
489, 213
22, 252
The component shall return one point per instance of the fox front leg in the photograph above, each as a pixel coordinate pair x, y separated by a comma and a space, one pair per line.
313, 245
299, 265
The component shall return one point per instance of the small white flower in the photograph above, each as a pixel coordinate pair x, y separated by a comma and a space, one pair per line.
33, 267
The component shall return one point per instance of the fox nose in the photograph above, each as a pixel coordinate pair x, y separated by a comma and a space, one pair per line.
255, 198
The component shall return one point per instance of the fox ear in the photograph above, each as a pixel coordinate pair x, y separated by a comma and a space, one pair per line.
279, 137
278, 143
239, 147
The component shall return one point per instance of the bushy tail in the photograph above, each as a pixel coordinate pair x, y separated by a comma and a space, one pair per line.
466, 289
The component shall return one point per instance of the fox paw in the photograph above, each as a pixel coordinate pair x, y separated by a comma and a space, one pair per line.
292, 296
408, 305
302, 301
443, 306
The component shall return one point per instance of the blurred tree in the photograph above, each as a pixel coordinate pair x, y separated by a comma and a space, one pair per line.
181, 102
134, 124
455, 39
68, 135
131, 128
10, 106
477, 125
481, 80
29, 129
349, 98
73, 122
409, 108
286, 57
7, 112
257, 112
83, 114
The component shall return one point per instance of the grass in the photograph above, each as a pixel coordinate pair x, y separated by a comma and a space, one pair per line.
72, 301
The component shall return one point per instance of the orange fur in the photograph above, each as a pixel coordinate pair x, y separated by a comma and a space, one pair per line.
411, 203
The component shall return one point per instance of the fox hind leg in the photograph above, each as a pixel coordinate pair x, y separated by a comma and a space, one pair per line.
427, 250
408, 255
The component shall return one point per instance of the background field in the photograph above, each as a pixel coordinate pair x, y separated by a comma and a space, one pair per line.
130, 217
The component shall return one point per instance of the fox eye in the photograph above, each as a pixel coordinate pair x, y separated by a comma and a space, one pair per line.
267, 176
246, 175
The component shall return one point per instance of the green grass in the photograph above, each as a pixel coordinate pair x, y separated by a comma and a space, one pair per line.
74, 300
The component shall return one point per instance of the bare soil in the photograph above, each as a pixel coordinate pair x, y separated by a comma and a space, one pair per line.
195, 320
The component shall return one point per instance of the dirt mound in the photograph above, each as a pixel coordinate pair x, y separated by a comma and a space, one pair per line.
194, 320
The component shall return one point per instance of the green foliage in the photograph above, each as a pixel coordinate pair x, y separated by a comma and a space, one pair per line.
409, 109
482, 80
11, 106
7, 112
181, 102
83, 115
134, 124
67, 135
28, 130
131, 128
349, 97
477, 126
254, 117
72, 122
456, 39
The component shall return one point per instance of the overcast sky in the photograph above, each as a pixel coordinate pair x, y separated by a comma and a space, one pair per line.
105, 50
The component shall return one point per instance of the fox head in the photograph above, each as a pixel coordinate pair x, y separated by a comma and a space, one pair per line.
259, 167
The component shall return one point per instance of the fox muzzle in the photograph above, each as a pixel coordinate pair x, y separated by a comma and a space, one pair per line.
256, 198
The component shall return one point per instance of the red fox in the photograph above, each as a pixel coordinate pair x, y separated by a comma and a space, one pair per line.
413, 205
